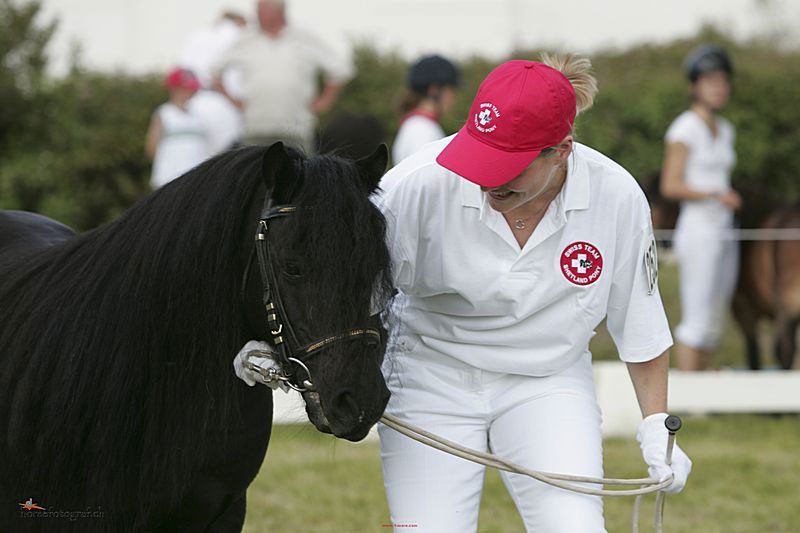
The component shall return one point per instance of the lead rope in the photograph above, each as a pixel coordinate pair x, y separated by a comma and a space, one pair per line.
562, 481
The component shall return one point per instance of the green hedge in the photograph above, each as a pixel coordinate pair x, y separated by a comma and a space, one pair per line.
73, 148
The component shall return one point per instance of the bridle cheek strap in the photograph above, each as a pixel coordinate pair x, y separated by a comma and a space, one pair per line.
291, 354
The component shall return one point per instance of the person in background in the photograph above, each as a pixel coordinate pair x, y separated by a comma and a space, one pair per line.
432, 82
279, 64
176, 139
201, 49
697, 172
351, 135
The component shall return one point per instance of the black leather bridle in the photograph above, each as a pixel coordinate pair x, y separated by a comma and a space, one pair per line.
290, 353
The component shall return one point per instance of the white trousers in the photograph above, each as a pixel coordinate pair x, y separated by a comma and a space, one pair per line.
708, 271
545, 423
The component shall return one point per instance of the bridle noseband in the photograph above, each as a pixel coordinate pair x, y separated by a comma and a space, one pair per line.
289, 350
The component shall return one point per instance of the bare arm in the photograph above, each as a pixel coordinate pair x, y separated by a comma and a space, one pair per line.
327, 97
673, 186
153, 136
650, 383
220, 88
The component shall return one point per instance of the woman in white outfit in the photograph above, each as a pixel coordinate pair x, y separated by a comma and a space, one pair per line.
511, 243
432, 82
697, 172
176, 139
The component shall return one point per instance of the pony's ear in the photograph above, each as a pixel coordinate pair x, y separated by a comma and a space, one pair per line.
278, 171
372, 167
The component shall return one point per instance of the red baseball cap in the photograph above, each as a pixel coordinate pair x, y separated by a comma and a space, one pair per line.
181, 78
521, 108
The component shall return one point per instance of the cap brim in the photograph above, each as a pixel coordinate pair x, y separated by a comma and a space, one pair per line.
483, 164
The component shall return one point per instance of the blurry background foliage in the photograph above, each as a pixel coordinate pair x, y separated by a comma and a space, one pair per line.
72, 148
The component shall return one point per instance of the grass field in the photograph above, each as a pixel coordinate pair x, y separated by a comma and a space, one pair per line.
746, 476
746, 479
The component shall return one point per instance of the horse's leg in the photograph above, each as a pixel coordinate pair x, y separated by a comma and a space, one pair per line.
785, 340
215, 500
746, 317
787, 297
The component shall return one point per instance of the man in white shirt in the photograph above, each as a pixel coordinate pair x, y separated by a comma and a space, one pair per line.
279, 64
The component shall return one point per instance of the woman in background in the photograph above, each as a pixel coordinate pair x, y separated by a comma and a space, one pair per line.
432, 82
697, 172
176, 139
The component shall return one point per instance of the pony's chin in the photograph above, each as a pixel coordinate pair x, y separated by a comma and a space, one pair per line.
315, 413
317, 417
355, 436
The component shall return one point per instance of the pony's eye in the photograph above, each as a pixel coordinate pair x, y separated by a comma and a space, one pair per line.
292, 270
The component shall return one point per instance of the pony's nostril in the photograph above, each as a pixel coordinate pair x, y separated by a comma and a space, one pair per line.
346, 404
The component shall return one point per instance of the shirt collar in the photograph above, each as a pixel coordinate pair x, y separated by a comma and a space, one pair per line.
471, 195
576, 188
574, 194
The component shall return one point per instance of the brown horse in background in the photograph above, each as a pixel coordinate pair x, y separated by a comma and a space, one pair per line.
769, 287
769, 271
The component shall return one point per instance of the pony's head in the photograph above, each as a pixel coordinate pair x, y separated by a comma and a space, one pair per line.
327, 269
117, 345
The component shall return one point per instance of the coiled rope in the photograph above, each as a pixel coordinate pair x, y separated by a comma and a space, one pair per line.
562, 481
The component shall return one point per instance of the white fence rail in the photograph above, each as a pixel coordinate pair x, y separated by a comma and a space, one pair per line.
760, 234
722, 391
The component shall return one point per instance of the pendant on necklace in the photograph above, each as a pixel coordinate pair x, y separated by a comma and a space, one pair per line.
519, 224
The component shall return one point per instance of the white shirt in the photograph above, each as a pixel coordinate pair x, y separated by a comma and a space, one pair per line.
204, 46
221, 119
416, 131
708, 169
469, 292
181, 147
279, 79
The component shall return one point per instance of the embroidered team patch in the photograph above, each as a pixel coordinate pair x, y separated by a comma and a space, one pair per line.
581, 263
651, 266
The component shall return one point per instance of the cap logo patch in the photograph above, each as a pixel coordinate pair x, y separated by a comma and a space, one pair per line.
484, 118
581, 263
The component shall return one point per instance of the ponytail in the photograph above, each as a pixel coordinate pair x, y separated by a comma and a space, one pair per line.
578, 70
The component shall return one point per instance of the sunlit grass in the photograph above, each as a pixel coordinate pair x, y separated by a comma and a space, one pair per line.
746, 479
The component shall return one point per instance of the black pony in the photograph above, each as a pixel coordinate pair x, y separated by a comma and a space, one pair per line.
117, 391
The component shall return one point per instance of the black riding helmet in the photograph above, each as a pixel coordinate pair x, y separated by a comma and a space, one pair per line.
432, 70
707, 58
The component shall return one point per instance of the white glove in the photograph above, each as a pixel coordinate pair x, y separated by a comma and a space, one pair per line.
251, 377
652, 437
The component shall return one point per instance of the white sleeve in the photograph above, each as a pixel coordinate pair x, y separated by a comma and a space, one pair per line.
402, 265
413, 134
635, 317
682, 130
337, 66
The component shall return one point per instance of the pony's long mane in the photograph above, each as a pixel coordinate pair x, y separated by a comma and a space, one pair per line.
116, 346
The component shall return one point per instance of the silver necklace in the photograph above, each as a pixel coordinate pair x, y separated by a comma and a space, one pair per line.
520, 223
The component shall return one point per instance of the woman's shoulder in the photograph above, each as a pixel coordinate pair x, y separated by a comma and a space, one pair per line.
419, 122
685, 128
166, 111
414, 133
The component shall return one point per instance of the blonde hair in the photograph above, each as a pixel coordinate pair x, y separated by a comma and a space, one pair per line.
578, 70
